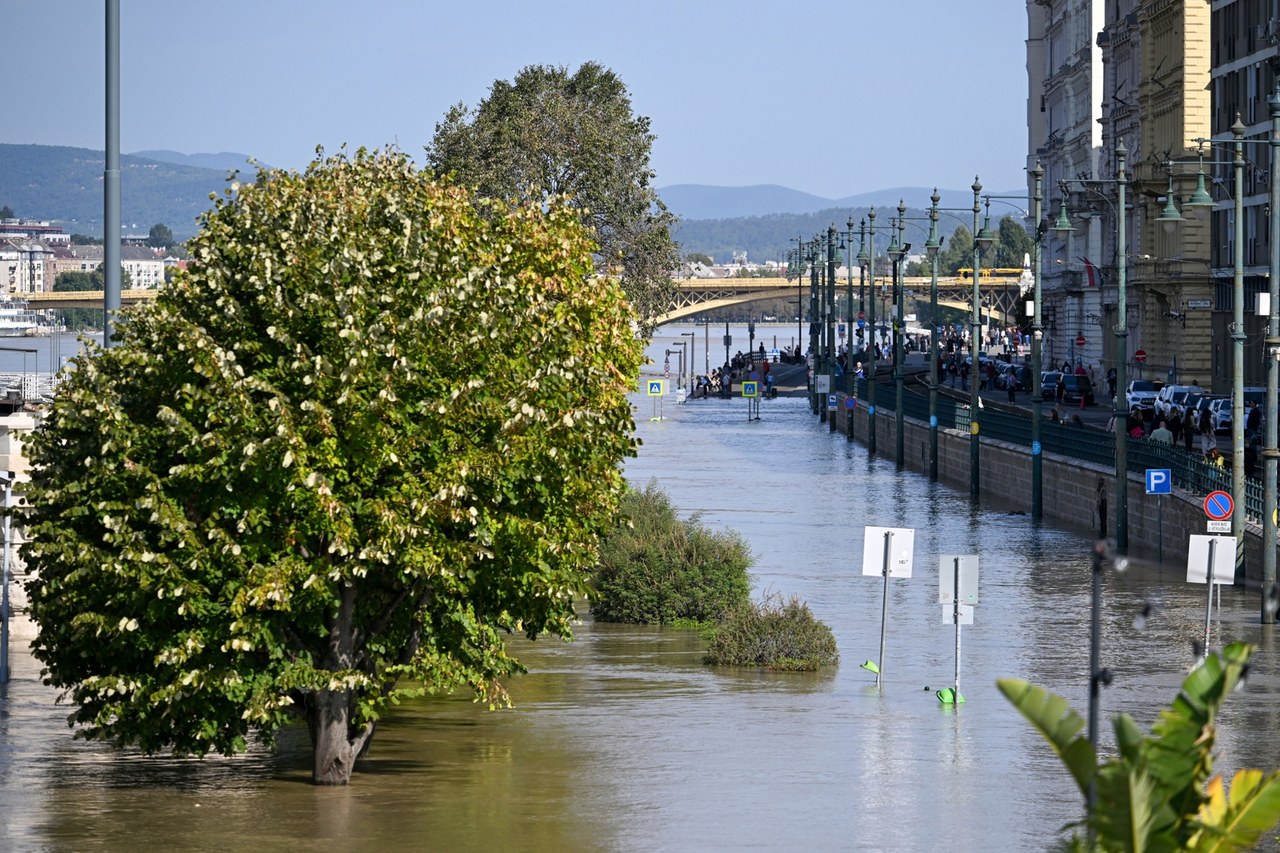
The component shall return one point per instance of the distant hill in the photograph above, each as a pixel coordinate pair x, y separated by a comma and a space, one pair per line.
748, 224
700, 201
65, 185
224, 161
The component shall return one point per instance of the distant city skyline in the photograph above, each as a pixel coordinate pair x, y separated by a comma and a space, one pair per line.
844, 99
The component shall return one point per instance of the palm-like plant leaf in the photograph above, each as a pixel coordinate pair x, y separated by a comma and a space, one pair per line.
1238, 823
1059, 724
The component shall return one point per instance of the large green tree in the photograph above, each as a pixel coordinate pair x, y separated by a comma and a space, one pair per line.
1013, 244
368, 434
549, 134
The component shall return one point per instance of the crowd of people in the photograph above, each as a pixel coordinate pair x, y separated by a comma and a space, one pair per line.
1184, 427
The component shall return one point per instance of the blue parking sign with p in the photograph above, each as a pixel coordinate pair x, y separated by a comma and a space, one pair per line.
1159, 481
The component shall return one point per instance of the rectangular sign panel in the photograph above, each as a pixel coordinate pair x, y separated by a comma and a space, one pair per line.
949, 615
822, 383
1218, 526
655, 387
900, 542
1159, 481
968, 578
1224, 559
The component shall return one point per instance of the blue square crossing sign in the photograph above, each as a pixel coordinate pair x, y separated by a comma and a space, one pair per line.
655, 387
750, 389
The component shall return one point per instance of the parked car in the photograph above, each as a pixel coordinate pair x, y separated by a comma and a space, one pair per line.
1140, 393
1171, 396
1220, 412
1076, 386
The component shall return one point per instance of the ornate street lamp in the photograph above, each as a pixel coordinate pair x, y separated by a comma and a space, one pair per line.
871, 314
1121, 332
1037, 334
898, 253
982, 239
1170, 216
933, 248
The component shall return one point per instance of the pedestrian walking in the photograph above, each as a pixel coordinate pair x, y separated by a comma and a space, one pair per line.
1188, 428
1175, 425
1208, 439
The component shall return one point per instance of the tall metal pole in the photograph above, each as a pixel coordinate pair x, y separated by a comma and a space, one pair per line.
899, 326
111, 180
727, 340
831, 317
4, 602
814, 353
848, 357
871, 314
799, 292
1270, 453
1122, 343
973, 348
1096, 677
1237, 357
934, 247
862, 272
1037, 332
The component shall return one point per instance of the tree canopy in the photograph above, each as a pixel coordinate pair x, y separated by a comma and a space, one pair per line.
369, 433
160, 237
552, 134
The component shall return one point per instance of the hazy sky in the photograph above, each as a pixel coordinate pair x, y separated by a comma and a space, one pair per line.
833, 98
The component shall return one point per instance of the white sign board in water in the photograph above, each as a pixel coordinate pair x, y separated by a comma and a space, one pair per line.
1224, 559
968, 579
901, 545
949, 615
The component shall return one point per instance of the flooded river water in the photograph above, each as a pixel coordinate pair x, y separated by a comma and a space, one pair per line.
624, 740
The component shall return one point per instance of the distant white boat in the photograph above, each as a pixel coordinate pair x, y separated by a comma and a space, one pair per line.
17, 319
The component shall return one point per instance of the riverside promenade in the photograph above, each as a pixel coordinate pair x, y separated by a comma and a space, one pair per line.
1078, 461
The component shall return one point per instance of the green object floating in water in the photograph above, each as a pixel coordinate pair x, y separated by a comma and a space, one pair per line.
870, 666
948, 696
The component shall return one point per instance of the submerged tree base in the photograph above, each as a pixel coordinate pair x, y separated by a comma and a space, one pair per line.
774, 634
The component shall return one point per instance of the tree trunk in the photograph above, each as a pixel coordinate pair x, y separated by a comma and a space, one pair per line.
334, 750
334, 746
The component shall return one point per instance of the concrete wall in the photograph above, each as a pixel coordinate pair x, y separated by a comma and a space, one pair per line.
1071, 489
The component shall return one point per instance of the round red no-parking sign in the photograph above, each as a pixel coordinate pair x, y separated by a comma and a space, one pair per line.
1219, 506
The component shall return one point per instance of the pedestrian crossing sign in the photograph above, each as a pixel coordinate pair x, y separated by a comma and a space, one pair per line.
656, 388
750, 389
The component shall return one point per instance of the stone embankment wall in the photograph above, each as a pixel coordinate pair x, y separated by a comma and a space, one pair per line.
1073, 492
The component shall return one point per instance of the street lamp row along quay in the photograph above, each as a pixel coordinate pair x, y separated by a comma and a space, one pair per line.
1200, 202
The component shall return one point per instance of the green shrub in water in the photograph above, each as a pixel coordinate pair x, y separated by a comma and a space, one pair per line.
656, 569
774, 634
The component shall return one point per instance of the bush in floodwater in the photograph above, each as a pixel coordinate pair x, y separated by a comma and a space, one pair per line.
656, 569
774, 634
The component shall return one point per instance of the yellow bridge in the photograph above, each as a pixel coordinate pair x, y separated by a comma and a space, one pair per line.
83, 298
694, 296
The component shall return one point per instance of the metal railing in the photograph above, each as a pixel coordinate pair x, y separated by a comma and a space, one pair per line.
1190, 471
